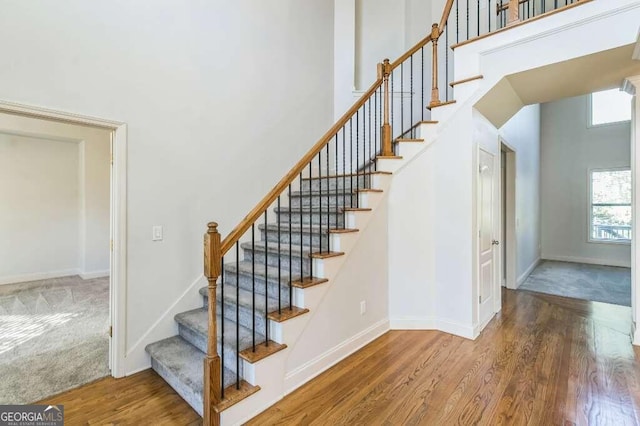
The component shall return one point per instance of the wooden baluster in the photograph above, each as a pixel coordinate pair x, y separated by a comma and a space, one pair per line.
384, 71
435, 93
514, 12
212, 367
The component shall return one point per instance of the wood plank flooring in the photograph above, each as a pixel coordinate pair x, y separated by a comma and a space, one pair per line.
141, 399
545, 360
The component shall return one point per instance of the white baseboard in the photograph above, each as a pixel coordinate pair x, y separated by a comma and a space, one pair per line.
430, 323
479, 327
307, 371
522, 278
94, 274
15, 279
136, 359
589, 260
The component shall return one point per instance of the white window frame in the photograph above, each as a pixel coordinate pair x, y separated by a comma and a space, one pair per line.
590, 238
590, 124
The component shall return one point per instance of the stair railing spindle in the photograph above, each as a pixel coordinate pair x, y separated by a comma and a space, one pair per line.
310, 228
290, 243
279, 265
222, 321
237, 316
253, 283
266, 283
320, 201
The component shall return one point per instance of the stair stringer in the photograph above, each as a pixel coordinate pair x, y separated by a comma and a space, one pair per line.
275, 374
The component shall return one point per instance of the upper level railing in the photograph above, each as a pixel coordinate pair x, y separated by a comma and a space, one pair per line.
331, 173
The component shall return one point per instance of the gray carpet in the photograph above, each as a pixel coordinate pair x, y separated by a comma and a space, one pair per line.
596, 283
53, 337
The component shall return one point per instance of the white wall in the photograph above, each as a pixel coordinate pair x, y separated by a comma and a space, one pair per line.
380, 33
91, 171
39, 214
220, 99
367, 32
95, 192
430, 252
522, 133
570, 148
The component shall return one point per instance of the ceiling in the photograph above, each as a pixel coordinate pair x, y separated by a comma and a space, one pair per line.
579, 76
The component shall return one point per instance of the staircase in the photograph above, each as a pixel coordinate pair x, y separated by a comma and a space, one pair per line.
267, 276
259, 288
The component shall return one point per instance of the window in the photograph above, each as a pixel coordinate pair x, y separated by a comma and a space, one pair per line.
610, 106
610, 205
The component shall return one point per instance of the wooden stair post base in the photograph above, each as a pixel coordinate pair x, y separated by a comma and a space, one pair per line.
211, 389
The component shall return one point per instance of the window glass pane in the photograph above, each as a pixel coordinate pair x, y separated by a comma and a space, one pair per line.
611, 187
611, 223
611, 205
610, 106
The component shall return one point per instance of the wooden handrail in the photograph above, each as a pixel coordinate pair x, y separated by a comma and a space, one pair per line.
445, 16
411, 52
264, 204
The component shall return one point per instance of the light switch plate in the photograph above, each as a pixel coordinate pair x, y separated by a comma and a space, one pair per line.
157, 233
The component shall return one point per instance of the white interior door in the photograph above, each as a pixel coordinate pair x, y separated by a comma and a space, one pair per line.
487, 232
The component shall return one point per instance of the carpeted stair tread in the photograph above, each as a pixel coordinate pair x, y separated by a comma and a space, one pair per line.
295, 228
245, 267
307, 210
197, 320
181, 365
331, 192
282, 249
246, 298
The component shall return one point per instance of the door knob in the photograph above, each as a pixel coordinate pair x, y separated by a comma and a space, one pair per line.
495, 242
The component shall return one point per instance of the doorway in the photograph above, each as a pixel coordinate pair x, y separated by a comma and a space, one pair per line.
61, 292
488, 231
508, 252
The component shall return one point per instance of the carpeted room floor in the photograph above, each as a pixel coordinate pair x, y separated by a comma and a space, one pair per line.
53, 337
596, 283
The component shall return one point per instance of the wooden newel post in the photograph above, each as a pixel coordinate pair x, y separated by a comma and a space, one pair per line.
514, 12
435, 93
212, 367
384, 71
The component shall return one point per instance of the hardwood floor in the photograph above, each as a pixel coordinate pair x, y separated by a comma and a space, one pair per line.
140, 399
545, 360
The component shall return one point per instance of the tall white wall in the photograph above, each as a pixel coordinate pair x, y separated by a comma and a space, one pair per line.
367, 32
220, 98
39, 214
90, 237
570, 148
380, 29
522, 133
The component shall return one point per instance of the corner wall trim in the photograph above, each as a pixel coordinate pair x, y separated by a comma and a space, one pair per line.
590, 261
522, 278
37, 276
307, 371
430, 323
94, 274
